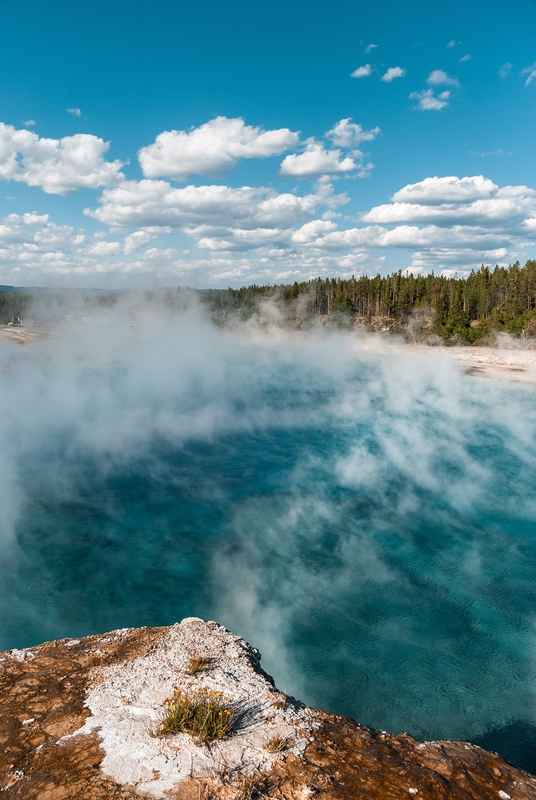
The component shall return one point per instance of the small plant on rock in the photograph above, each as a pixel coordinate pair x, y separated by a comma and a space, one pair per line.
249, 788
280, 701
276, 744
204, 714
196, 663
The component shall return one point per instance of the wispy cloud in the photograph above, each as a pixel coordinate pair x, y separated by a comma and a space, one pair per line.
505, 69
440, 78
29, 123
498, 152
453, 43
465, 58
76, 112
530, 72
361, 72
370, 47
392, 73
428, 101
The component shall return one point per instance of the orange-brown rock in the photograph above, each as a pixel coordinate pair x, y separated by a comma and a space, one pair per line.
43, 700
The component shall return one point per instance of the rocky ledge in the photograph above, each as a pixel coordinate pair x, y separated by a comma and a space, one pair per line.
79, 719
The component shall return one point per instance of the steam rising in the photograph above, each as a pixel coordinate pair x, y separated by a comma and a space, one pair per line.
359, 511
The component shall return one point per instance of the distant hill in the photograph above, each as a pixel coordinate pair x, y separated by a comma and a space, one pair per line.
57, 290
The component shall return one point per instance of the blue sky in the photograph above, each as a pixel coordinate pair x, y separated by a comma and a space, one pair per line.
219, 144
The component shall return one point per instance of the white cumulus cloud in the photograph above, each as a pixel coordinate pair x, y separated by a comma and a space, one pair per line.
315, 161
312, 230
31, 242
250, 233
449, 189
217, 217
105, 248
448, 223
75, 112
58, 166
350, 134
411, 236
156, 203
211, 149
428, 101
361, 72
450, 201
439, 78
392, 73
138, 239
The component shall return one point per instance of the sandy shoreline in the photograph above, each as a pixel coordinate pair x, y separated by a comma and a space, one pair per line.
494, 362
22, 335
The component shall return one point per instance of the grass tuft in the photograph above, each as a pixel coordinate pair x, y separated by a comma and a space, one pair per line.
204, 714
280, 701
276, 744
249, 788
196, 663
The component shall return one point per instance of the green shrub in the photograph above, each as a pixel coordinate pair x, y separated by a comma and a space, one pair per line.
204, 714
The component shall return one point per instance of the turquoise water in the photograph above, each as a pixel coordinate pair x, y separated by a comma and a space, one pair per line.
366, 520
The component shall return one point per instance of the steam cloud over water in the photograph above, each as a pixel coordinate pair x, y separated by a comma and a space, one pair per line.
362, 513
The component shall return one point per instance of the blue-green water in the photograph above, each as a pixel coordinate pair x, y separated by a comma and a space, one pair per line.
367, 520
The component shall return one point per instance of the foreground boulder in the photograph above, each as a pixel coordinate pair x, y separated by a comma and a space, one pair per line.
80, 719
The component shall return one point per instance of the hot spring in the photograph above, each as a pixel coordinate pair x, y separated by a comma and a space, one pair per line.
362, 513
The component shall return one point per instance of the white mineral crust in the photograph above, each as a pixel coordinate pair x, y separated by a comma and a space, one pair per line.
127, 701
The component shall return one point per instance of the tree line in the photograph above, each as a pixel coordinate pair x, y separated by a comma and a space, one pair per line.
462, 308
